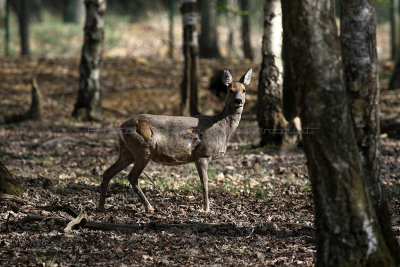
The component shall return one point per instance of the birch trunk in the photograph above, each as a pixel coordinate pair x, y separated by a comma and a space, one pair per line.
88, 104
190, 53
269, 110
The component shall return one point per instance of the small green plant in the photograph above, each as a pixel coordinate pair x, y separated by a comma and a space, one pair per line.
211, 174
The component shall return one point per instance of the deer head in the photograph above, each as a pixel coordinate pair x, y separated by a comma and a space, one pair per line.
236, 90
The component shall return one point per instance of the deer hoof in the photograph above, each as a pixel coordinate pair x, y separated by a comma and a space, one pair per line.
149, 209
205, 209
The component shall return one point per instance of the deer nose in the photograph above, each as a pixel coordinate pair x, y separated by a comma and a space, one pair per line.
238, 101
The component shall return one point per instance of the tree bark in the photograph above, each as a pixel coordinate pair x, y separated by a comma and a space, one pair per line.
289, 100
7, 28
208, 36
346, 224
358, 42
73, 11
23, 18
88, 104
231, 17
247, 50
269, 109
171, 28
394, 27
190, 53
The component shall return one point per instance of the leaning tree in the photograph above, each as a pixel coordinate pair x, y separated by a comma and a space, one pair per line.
347, 226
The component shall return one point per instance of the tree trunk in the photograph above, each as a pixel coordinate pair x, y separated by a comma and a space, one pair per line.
8, 185
208, 37
73, 11
190, 53
23, 18
394, 27
269, 110
88, 104
7, 28
346, 224
231, 17
247, 50
171, 28
358, 42
289, 101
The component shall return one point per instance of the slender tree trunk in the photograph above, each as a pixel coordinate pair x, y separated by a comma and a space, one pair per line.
247, 50
232, 26
73, 11
190, 53
208, 37
347, 229
394, 27
171, 28
89, 94
270, 114
7, 29
358, 41
23, 18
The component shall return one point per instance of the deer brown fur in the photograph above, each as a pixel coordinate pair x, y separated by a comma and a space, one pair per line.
175, 140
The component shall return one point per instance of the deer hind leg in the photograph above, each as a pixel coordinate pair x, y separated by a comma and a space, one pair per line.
133, 178
125, 158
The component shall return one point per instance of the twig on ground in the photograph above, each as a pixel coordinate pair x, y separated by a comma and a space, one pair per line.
252, 231
82, 218
158, 188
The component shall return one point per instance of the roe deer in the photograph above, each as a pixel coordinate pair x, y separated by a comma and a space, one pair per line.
173, 140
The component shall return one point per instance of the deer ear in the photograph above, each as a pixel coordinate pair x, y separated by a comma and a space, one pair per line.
227, 77
246, 78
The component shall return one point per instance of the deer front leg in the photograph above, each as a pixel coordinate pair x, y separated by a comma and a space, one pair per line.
202, 166
133, 178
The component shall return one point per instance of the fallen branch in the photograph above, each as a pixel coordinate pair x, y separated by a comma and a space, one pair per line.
128, 227
82, 218
15, 199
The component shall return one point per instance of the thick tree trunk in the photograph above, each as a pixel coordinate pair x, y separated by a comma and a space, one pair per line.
358, 41
23, 18
247, 50
269, 110
347, 229
289, 101
73, 11
208, 36
190, 53
88, 104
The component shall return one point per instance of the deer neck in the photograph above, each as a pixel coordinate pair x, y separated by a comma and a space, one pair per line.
229, 119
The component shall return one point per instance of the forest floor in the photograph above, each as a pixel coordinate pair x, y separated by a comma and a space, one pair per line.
261, 199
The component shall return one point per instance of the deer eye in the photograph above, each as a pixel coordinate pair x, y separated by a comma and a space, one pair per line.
244, 91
